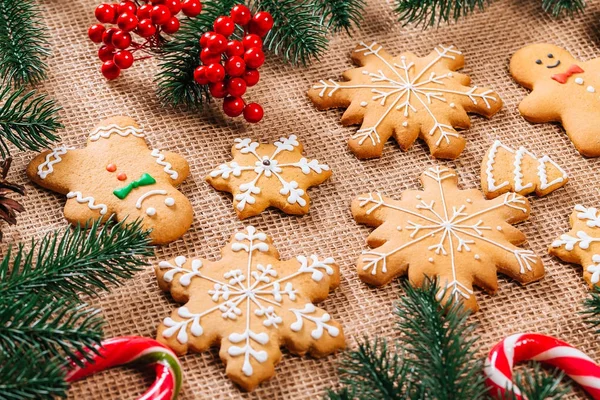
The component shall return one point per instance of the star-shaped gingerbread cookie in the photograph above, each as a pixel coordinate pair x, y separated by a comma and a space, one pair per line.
455, 235
563, 89
408, 97
116, 173
263, 175
250, 303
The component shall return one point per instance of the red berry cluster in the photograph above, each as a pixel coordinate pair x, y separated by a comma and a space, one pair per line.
230, 66
147, 21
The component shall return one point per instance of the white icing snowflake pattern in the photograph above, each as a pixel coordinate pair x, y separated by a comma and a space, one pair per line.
404, 89
458, 230
249, 297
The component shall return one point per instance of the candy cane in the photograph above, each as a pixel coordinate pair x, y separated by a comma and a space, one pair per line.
135, 350
532, 346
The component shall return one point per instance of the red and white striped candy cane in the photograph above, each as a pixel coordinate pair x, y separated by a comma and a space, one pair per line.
135, 350
533, 346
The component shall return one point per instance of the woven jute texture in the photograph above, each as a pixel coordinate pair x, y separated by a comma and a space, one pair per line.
488, 39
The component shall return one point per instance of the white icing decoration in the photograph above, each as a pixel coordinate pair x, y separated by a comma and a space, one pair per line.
499, 228
106, 131
579, 81
151, 211
595, 269
399, 227
469, 201
160, 159
582, 239
457, 230
477, 257
51, 158
364, 104
268, 167
405, 124
452, 105
396, 92
591, 89
430, 259
91, 202
169, 202
250, 291
149, 193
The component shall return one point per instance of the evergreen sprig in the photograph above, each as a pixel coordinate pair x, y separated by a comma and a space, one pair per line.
558, 7
27, 120
538, 385
592, 310
23, 43
339, 14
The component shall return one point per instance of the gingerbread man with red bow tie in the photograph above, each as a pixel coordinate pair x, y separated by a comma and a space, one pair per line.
564, 90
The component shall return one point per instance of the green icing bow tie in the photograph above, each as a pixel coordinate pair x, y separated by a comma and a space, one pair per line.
145, 180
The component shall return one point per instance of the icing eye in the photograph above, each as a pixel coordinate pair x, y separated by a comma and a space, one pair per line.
550, 55
169, 201
111, 167
538, 62
150, 211
121, 176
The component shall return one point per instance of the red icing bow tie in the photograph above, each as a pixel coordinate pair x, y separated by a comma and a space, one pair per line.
562, 78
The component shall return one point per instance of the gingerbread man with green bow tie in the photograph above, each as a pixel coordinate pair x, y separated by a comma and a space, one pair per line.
116, 173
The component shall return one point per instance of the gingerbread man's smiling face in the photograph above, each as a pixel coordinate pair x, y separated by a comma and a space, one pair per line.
539, 62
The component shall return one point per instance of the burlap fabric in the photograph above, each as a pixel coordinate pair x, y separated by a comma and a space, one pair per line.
488, 39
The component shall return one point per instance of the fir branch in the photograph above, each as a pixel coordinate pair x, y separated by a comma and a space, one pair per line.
56, 328
339, 14
22, 42
27, 120
68, 262
23, 376
592, 310
538, 385
558, 7
433, 12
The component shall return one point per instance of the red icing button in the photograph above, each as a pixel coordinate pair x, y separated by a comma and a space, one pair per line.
121, 176
111, 167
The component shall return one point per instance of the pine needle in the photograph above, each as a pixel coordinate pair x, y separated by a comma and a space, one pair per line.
538, 385
22, 42
339, 14
27, 120
592, 310
558, 7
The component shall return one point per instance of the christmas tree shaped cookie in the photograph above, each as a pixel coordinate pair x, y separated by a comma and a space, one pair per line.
407, 97
455, 235
581, 245
505, 170
564, 90
250, 303
116, 173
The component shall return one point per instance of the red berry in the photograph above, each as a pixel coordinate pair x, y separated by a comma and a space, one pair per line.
235, 66
263, 20
251, 76
251, 41
254, 58
241, 14
233, 106
95, 33
200, 75
171, 26
236, 87
217, 43
105, 52
255, 29
218, 89
191, 8
121, 39
127, 21
160, 14
234, 48
204, 38
144, 11
146, 28
173, 5
224, 26
105, 13
126, 6
107, 36
123, 59
253, 112
215, 73
110, 70
208, 58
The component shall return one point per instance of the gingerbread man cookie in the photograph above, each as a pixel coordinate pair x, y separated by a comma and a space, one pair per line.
117, 174
250, 303
408, 97
444, 232
564, 90
263, 175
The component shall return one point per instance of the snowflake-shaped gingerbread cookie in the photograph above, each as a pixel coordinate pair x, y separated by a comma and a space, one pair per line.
116, 173
581, 245
263, 175
455, 235
250, 303
408, 97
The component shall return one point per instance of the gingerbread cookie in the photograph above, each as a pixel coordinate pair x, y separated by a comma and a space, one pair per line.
263, 175
505, 170
117, 174
455, 235
408, 97
250, 303
581, 245
564, 90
